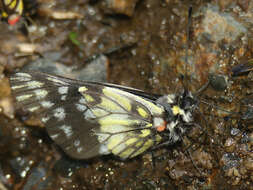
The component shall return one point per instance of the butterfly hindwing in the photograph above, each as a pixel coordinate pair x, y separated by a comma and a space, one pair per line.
87, 119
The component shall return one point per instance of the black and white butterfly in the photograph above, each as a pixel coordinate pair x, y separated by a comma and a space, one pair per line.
87, 119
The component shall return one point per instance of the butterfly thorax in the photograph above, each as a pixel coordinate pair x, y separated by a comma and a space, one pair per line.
177, 115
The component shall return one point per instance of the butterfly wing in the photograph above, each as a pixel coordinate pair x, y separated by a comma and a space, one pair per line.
87, 119
12, 9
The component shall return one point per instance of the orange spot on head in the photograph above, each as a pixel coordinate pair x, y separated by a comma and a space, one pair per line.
13, 19
161, 128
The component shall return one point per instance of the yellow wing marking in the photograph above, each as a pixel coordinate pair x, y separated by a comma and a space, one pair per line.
115, 119
158, 138
99, 112
154, 109
82, 89
142, 112
29, 85
23, 97
13, 4
145, 132
20, 7
88, 98
145, 146
131, 141
4, 15
126, 153
114, 141
122, 100
110, 106
124, 148
56, 80
176, 110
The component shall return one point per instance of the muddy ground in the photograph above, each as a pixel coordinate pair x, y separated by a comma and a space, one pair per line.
141, 44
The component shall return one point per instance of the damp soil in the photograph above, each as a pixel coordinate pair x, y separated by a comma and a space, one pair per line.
141, 44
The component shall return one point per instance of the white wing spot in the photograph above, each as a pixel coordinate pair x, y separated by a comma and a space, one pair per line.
32, 109
82, 89
55, 80
29, 85
46, 104
102, 137
23, 97
63, 97
82, 100
34, 84
63, 90
76, 143
81, 107
103, 149
67, 130
68, 147
23, 75
54, 136
40, 94
79, 149
17, 87
89, 115
45, 119
20, 79
59, 113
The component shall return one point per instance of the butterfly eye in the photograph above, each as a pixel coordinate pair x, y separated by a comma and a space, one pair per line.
187, 101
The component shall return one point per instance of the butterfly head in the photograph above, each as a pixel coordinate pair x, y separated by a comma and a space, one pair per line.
178, 106
178, 111
187, 101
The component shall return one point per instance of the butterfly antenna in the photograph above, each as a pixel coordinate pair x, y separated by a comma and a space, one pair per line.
187, 45
219, 108
202, 89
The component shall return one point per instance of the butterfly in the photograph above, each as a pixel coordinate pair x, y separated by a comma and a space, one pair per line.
88, 119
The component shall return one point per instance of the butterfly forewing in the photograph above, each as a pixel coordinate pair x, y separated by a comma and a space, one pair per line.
87, 119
